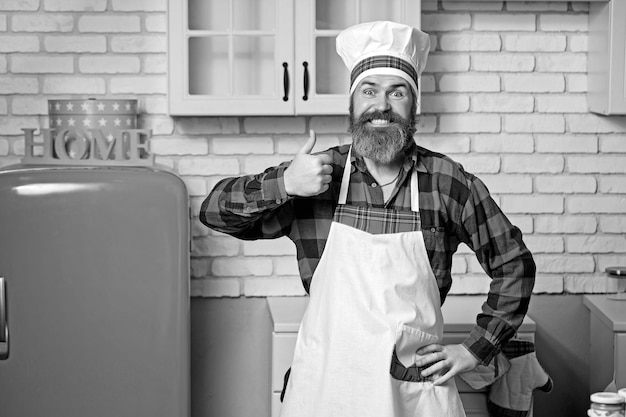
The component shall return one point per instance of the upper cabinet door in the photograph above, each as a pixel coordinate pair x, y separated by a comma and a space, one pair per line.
606, 62
323, 80
266, 57
230, 57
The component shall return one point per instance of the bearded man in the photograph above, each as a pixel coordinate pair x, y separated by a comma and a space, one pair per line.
375, 225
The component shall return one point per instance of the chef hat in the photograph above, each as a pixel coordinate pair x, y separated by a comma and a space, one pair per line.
383, 48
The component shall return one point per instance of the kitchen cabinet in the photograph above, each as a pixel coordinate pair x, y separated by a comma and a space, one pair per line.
459, 314
607, 350
266, 57
607, 58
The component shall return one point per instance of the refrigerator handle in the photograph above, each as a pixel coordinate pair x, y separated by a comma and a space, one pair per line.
4, 324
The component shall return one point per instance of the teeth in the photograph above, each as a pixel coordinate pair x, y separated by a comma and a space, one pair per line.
379, 122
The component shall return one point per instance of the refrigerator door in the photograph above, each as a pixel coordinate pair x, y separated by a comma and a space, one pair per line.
95, 296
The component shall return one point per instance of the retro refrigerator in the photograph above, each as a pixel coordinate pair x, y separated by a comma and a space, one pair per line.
94, 292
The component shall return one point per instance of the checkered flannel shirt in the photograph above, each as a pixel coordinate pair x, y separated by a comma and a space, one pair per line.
455, 207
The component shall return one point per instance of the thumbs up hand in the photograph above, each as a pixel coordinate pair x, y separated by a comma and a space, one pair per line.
308, 175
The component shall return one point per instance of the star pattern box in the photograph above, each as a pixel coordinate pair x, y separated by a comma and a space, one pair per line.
109, 116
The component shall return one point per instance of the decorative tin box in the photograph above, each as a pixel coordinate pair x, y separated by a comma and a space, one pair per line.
106, 115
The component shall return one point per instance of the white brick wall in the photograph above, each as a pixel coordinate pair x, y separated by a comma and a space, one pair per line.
503, 93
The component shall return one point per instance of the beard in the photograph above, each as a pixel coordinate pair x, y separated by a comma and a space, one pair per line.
382, 144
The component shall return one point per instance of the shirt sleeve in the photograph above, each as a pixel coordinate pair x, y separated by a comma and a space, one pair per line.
250, 207
506, 259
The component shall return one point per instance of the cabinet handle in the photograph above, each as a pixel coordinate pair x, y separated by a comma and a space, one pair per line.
4, 325
285, 81
306, 81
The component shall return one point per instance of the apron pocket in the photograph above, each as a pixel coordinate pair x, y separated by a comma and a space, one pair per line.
408, 341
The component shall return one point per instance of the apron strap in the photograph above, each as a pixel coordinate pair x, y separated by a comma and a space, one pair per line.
345, 184
345, 180
415, 192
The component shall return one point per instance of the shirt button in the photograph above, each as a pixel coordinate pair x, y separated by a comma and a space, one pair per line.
432, 229
374, 185
278, 201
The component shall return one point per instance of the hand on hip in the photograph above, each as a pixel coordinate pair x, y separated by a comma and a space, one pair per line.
445, 361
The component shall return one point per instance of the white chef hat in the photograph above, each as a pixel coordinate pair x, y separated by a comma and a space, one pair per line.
387, 48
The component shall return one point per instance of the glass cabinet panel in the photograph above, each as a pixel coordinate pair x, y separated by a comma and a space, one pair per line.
231, 14
253, 66
370, 10
335, 15
208, 15
252, 14
331, 76
208, 65
338, 15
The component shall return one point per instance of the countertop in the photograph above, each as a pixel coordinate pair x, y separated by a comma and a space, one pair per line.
610, 312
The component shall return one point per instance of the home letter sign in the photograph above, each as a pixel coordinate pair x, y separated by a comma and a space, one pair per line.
87, 147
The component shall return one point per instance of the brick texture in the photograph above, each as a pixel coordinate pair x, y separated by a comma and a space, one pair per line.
503, 93
19, 5
42, 23
110, 24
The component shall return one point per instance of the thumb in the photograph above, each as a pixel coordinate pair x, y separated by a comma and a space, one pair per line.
310, 143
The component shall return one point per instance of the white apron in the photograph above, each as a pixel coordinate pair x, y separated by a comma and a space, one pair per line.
373, 302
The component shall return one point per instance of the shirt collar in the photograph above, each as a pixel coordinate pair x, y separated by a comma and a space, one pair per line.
423, 164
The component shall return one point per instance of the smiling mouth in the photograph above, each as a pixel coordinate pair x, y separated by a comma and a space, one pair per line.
380, 122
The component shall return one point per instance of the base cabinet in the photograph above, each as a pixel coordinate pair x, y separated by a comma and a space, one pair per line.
287, 312
607, 349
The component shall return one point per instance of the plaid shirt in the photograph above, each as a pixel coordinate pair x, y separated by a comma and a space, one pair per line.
455, 207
